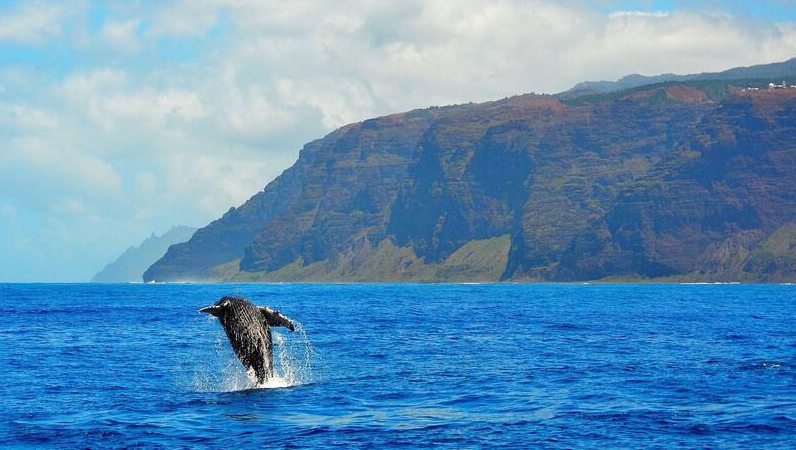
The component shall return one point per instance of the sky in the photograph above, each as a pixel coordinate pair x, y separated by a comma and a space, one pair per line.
123, 118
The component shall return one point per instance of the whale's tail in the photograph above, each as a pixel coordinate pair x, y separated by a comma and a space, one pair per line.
275, 318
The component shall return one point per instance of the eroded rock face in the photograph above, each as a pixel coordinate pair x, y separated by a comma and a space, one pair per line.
348, 185
708, 205
659, 181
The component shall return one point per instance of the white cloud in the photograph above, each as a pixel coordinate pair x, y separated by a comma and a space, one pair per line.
21, 117
122, 35
636, 14
159, 107
70, 206
36, 162
35, 22
213, 181
184, 18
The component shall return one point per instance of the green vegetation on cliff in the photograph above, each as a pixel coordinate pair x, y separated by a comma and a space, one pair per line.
483, 260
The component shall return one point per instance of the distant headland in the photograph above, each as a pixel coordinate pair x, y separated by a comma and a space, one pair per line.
672, 178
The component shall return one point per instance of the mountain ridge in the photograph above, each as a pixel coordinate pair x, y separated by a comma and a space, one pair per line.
133, 262
773, 72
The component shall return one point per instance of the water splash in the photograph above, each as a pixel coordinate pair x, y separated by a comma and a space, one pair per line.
293, 358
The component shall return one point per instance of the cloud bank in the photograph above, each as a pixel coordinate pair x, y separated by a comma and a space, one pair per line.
122, 118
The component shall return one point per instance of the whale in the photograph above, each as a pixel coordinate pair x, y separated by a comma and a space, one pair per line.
248, 328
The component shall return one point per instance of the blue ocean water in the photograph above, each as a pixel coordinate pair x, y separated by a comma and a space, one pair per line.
462, 366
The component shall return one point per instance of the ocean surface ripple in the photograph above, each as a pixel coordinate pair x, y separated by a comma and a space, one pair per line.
385, 365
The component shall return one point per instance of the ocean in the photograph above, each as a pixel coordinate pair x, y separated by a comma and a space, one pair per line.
403, 366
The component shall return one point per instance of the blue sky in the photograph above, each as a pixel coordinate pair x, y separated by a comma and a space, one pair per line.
776, 11
123, 118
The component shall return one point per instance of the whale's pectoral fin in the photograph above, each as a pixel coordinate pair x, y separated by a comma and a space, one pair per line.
275, 318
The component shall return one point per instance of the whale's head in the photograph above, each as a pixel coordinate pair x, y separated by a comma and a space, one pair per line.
220, 308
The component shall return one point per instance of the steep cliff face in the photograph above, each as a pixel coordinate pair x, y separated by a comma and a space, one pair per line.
675, 179
707, 209
349, 183
535, 169
340, 186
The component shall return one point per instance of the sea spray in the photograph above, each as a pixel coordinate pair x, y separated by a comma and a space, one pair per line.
293, 356
293, 360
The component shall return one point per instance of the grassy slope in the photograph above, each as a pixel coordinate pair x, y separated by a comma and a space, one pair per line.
478, 260
485, 260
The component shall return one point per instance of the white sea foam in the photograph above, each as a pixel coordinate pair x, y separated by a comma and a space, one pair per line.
293, 356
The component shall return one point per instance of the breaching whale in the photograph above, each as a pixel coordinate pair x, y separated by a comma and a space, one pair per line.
248, 328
